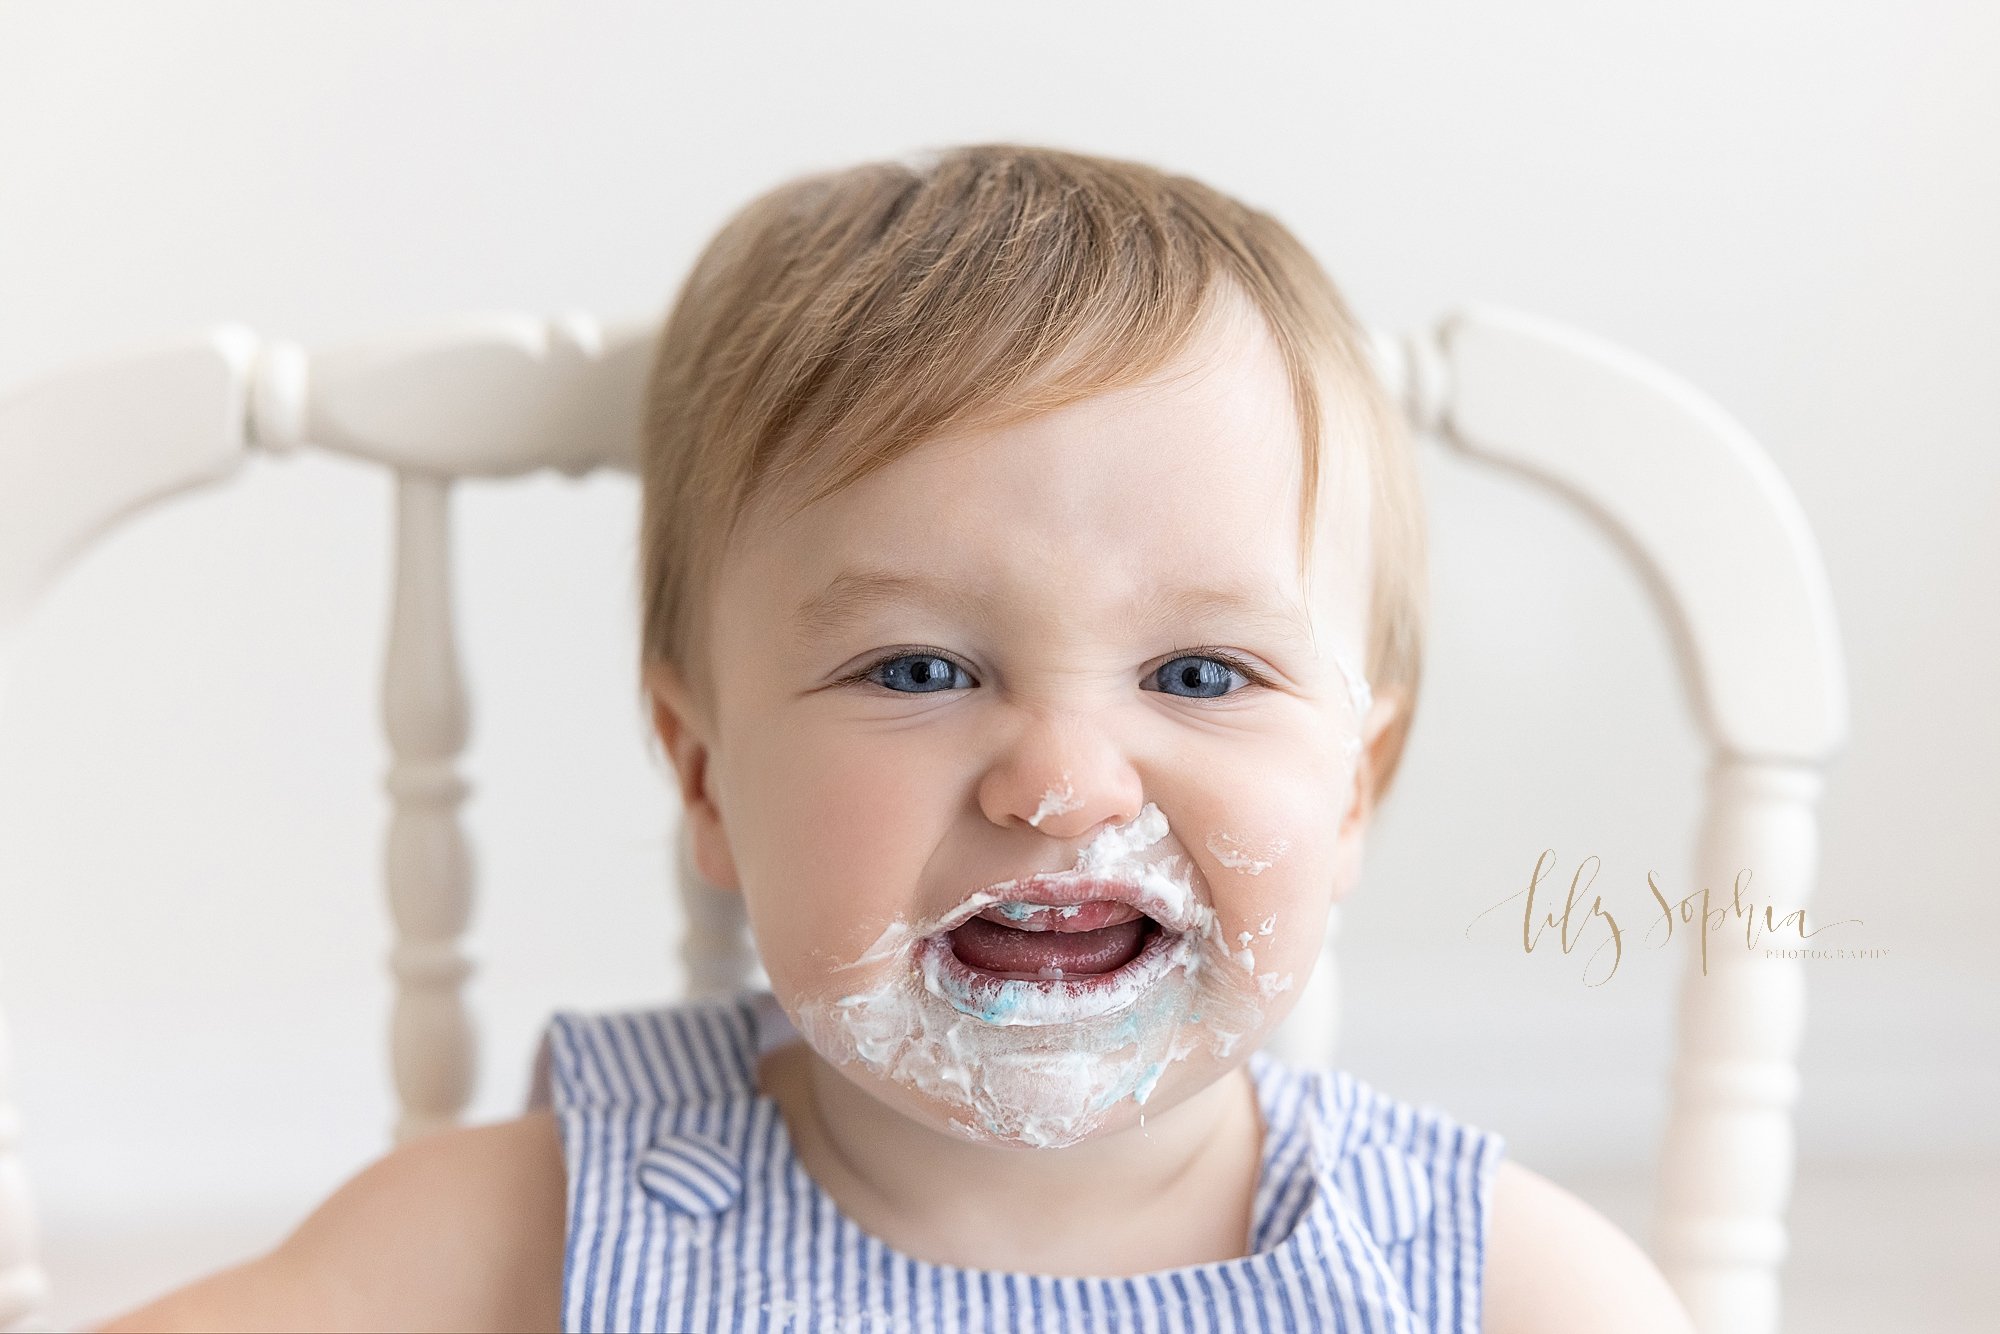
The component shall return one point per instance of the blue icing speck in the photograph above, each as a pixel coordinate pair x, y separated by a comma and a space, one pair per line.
1145, 1089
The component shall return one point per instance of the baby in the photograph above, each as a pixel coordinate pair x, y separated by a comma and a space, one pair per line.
1032, 616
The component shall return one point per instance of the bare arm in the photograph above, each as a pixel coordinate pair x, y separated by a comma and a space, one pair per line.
461, 1230
1554, 1265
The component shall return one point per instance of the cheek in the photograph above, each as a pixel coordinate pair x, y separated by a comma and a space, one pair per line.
1265, 836
837, 837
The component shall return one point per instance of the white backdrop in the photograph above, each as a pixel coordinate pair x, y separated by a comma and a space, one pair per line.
1793, 206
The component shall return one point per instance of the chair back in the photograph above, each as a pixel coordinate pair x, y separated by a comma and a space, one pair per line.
1679, 487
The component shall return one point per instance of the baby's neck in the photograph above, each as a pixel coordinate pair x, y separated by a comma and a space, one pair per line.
1179, 1192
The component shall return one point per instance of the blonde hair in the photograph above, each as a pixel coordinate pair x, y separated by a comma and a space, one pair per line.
840, 320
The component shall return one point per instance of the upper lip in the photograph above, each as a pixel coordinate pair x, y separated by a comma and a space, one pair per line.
1061, 889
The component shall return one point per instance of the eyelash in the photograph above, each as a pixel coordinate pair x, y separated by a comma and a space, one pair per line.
1250, 673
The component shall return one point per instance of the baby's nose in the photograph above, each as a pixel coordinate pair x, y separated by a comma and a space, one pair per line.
1076, 806
1062, 773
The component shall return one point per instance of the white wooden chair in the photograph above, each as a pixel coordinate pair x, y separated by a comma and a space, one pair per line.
1682, 489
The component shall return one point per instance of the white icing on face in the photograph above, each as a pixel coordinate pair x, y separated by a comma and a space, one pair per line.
1056, 803
1359, 694
1039, 1065
1239, 854
1243, 938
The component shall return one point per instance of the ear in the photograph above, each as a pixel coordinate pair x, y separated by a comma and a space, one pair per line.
683, 733
1356, 820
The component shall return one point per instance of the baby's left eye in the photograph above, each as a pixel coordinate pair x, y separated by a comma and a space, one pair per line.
1205, 673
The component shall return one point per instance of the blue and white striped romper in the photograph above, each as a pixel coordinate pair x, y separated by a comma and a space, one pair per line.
688, 1209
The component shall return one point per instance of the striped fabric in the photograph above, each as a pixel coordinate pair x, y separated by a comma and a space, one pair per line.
688, 1210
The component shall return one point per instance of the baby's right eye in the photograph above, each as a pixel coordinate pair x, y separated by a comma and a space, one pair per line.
929, 673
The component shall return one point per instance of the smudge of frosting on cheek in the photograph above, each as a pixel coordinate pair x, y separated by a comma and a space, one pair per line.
1244, 954
1359, 693
1268, 984
1045, 1063
1242, 854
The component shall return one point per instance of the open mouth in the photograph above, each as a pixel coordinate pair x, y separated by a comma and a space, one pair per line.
1052, 953
1044, 973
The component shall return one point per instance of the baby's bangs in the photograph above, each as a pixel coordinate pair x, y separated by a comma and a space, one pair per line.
1002, 284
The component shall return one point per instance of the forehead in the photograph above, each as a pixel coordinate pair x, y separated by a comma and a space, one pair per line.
1161, 494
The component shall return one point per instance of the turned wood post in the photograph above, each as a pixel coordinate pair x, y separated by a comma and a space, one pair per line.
428, 863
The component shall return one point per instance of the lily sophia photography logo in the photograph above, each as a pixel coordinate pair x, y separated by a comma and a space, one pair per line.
1697, 917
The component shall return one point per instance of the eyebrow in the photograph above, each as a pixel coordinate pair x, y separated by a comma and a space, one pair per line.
851, 595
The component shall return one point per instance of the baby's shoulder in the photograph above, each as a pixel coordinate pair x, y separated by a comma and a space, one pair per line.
462, 1229
1554, 1265
465, 1227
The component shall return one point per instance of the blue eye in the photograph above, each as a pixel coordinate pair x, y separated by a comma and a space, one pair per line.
1204, 674
927, 672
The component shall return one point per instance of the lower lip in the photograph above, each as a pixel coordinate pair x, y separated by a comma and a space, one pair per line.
998, 999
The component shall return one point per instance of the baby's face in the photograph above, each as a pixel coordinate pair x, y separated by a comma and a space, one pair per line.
1075, 648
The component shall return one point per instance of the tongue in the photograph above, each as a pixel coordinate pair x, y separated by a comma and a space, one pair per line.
1024, 954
